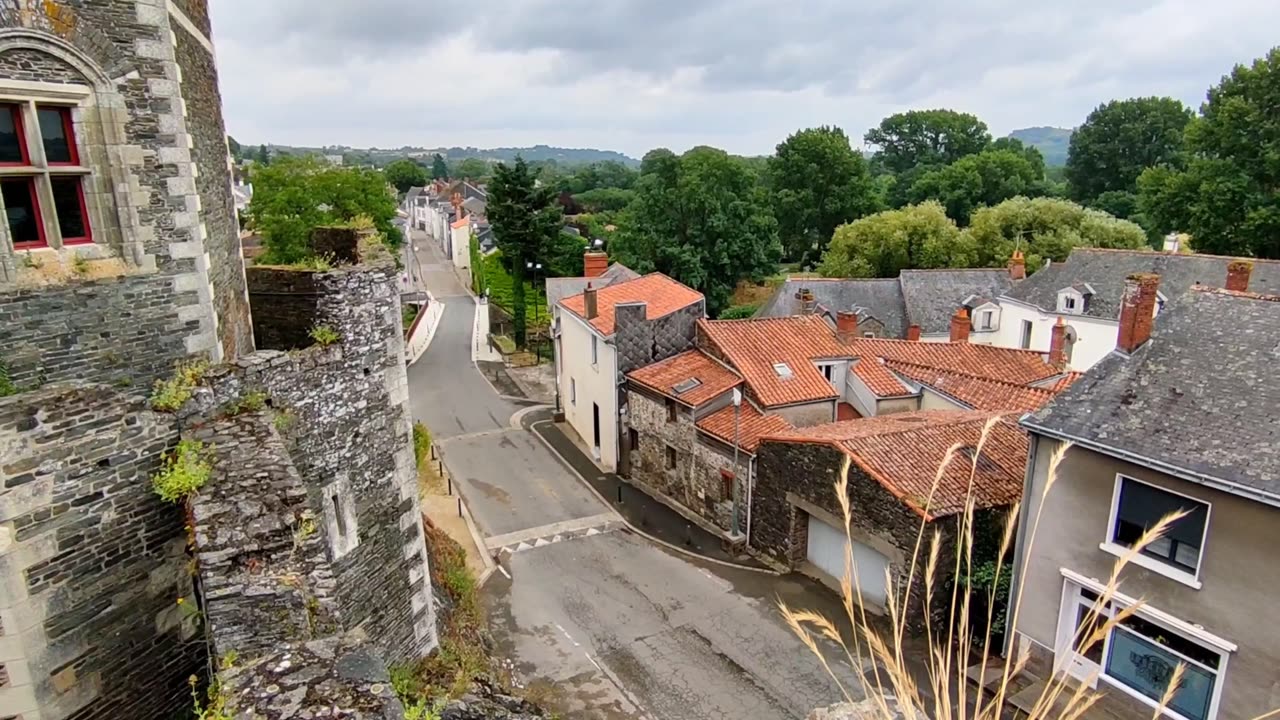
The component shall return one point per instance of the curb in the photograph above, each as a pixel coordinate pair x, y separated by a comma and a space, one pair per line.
638, 531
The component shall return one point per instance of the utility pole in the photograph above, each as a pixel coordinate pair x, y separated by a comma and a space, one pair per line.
737, 484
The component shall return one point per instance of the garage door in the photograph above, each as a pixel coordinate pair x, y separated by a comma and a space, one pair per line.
826, 552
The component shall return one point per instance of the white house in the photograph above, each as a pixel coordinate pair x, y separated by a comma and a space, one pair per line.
601, 334
1086, 292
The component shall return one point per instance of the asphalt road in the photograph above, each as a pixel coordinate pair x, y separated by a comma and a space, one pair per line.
604, 623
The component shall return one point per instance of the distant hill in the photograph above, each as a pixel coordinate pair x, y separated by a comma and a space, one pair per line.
1051, 141
537, 153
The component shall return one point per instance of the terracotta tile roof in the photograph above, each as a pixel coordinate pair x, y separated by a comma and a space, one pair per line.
460, 223
662, 294
714, 378
903, 451
878, 379
978, 393
752, 426
983, 361
754, 347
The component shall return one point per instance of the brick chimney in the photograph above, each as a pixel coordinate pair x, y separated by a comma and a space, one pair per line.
456, 201
960, 326
594, 264
1018, 266
1238, 272
913, 333
1137, 310
807, 302
1058, 345
589, 302
846, 325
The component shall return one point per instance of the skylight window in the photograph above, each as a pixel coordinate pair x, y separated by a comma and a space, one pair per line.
783, 371
686, 385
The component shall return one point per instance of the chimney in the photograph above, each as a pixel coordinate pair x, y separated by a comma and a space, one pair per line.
1058, 345
846, 325
913, 333
1137, 310
960, 326
456, 201
807, 301
589, 302
1238, 272
1018, 266
594, 264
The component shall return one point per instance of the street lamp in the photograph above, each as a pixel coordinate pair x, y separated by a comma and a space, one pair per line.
534, 268
737, 485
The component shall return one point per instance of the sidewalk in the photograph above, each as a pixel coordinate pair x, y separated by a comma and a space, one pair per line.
639, 510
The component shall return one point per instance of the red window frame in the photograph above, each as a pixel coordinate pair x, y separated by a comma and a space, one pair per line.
35, 206
20, 128
84, 213
726, 484
68, 129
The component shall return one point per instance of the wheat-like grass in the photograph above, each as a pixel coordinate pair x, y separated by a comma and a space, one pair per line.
893, 690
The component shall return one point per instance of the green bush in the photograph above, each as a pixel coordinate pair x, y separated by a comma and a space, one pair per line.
252, 401
185, 471
324, 335
169, 395
495, 278
421, 443
739, 312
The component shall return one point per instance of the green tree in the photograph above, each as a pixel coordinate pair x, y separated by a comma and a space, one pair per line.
294, 195
884, 244
1119, 140
926, 138
404, 174
1044, 228
818, 183
264, 155
701, 218
471, 169
439, 168
234, 148
973, 181
1030, 152
526, 225
1228, 197
605, 199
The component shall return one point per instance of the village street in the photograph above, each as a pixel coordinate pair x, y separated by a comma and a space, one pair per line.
614, 625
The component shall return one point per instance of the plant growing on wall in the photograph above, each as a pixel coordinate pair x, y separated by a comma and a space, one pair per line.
169, 395
186, 470
7, 387
324, 335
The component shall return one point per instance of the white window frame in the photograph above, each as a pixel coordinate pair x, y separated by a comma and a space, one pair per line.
595, 352
1025, 332
1109, 545
987, 321
1066, 659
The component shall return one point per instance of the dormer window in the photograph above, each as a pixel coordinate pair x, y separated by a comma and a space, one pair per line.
1074, 300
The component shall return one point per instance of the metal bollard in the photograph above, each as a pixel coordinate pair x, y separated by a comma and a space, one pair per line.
459, 507
450, 481
619, 493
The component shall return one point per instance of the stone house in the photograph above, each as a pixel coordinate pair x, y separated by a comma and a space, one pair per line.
893, 461
602, 334
1085, 291
1181, 417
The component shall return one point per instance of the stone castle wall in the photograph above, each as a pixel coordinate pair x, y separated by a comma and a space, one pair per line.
92, 563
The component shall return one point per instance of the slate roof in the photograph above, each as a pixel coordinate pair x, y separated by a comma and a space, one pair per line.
903, 451
752, 426
661, 294
881, 298
932, 296
1105, 271
753, 347
474, 206
1199, 397
713, 377
561, 288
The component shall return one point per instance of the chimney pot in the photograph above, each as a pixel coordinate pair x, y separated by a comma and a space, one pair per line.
1238, 272
1137, 310
594, 264
846, 325
807, 301
1058, 345
960, 326
589, 302
1018, 266
913, 333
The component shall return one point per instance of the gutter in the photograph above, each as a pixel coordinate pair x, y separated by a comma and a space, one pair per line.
1182, 473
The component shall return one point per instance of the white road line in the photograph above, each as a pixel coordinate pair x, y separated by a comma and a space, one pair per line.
593, 661
566, 526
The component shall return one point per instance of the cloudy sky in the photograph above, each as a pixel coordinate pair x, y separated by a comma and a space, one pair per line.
630, 75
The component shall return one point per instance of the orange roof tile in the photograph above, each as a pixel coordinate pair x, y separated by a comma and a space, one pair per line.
903, 451
978, 393
752, 426
662, 295
984, 361
460, 223
878, 379
754, 347
714, 378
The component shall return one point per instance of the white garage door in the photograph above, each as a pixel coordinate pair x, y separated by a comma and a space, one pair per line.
826, 552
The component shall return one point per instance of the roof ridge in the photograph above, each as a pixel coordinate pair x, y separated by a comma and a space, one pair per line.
1245, 294
972, 376
932, 270
1158, 253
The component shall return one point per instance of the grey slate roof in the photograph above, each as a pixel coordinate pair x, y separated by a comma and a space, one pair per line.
932, 296
563, 287
882, 299
474, 206
1106, 270
1199, 396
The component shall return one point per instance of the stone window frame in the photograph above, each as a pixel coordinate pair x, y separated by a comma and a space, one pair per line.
99, 117
38, 168
671, 459
340, 522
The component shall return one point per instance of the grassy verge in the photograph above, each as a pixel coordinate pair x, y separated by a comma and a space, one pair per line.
429, 480
492, 276
407, 314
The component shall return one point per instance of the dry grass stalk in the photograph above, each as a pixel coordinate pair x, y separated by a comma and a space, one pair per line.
891, 684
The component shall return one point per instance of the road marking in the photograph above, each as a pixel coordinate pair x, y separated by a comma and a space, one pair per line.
593, 661
578, 525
